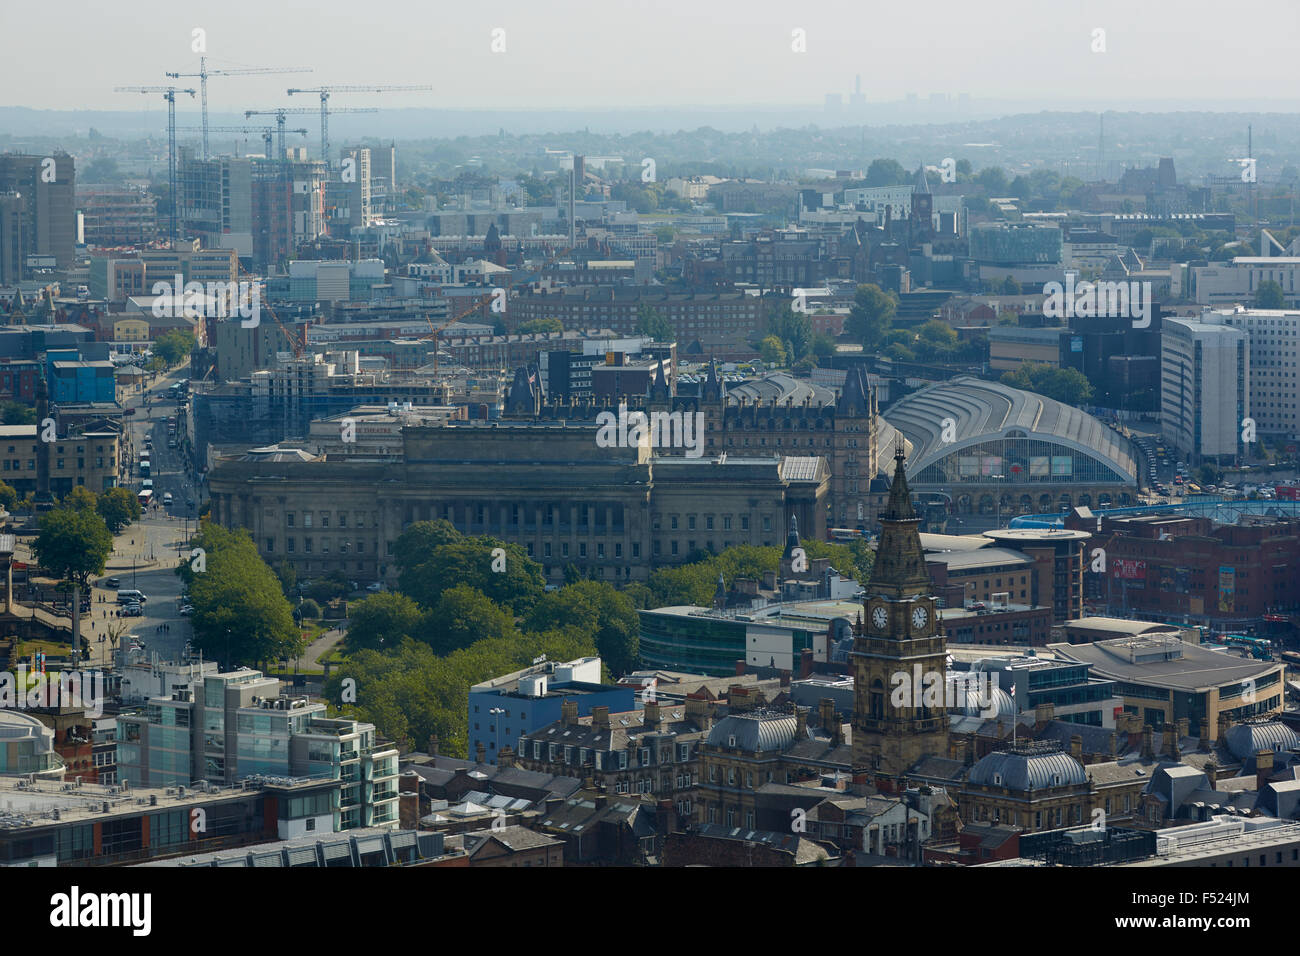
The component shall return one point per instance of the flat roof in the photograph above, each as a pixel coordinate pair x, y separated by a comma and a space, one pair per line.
1195, 669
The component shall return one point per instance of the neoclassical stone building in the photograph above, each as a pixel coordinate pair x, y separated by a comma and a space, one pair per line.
615, 513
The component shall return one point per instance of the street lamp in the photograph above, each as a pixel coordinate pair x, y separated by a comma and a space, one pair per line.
496, 713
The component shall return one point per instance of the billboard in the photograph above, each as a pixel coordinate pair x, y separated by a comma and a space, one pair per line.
1128, 569
1227, 589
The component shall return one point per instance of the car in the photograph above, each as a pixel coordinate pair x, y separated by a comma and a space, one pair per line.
187, 610
128, 411
376, 587
133, 610
110, 583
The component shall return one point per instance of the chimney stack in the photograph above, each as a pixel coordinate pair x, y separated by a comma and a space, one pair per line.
651, 715
800, 722
1076, 747
826, 717
806, 663
1212, 773
480, 752
506, 757
600, 717
1148, 744
1263, 767
785, 680
569, 712
433, 745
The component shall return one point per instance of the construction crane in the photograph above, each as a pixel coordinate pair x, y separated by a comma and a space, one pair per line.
169, 94
204, 73
280, 114
324, 93
266, 131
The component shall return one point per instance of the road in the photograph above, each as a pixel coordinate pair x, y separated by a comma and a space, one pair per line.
146, 554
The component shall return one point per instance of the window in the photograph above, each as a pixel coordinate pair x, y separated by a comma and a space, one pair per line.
288, 519
622, 760
645, 756
306, 519
270, 544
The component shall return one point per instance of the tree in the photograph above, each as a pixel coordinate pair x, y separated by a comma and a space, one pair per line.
465, 615
80, 498
416, 544
8, 496
118, 507
772, 351
794, 329
1207, 475
595, 607
936, 341
174, 347
994, 181
886, 172
74, 543
474, 562
309, 610
650, 322
383, 620
240, 612
1269, 295
16, 413
1010, 286
1067, 385
541, 325
872, 312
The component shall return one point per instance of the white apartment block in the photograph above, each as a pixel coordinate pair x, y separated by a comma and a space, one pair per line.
1204, 388
1274, 365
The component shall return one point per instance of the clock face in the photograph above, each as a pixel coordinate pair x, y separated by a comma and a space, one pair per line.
879, 618
919, 616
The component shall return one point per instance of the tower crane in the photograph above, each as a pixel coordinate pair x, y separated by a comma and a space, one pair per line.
204, 73
283, 111
324, 93
169, 94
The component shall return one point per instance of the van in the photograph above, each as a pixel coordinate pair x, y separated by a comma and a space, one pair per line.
131, 596
167, 498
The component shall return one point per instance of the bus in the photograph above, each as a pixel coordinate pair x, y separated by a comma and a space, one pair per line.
146, 497
847, 534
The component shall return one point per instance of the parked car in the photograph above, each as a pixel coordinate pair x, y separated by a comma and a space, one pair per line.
110, 583
187, 610
133, 610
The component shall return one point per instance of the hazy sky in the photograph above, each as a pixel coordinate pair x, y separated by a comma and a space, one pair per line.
573, 54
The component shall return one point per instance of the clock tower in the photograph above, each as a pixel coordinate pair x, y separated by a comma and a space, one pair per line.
899, 650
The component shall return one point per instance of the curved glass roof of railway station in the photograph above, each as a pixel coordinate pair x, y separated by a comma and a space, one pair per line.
971, 432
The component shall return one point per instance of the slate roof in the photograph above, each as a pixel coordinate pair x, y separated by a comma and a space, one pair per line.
754, 731
1026, 771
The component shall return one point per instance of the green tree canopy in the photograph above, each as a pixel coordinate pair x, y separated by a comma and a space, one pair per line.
74, 543
1066, 385
240, 613
595, 607
81, 498
383, 620
118, 507
174, 346
540, 325
16, 413
870, 317
886, 172
1269, 295
649, 321
464, 615
773, 351
8, 496
471, 561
